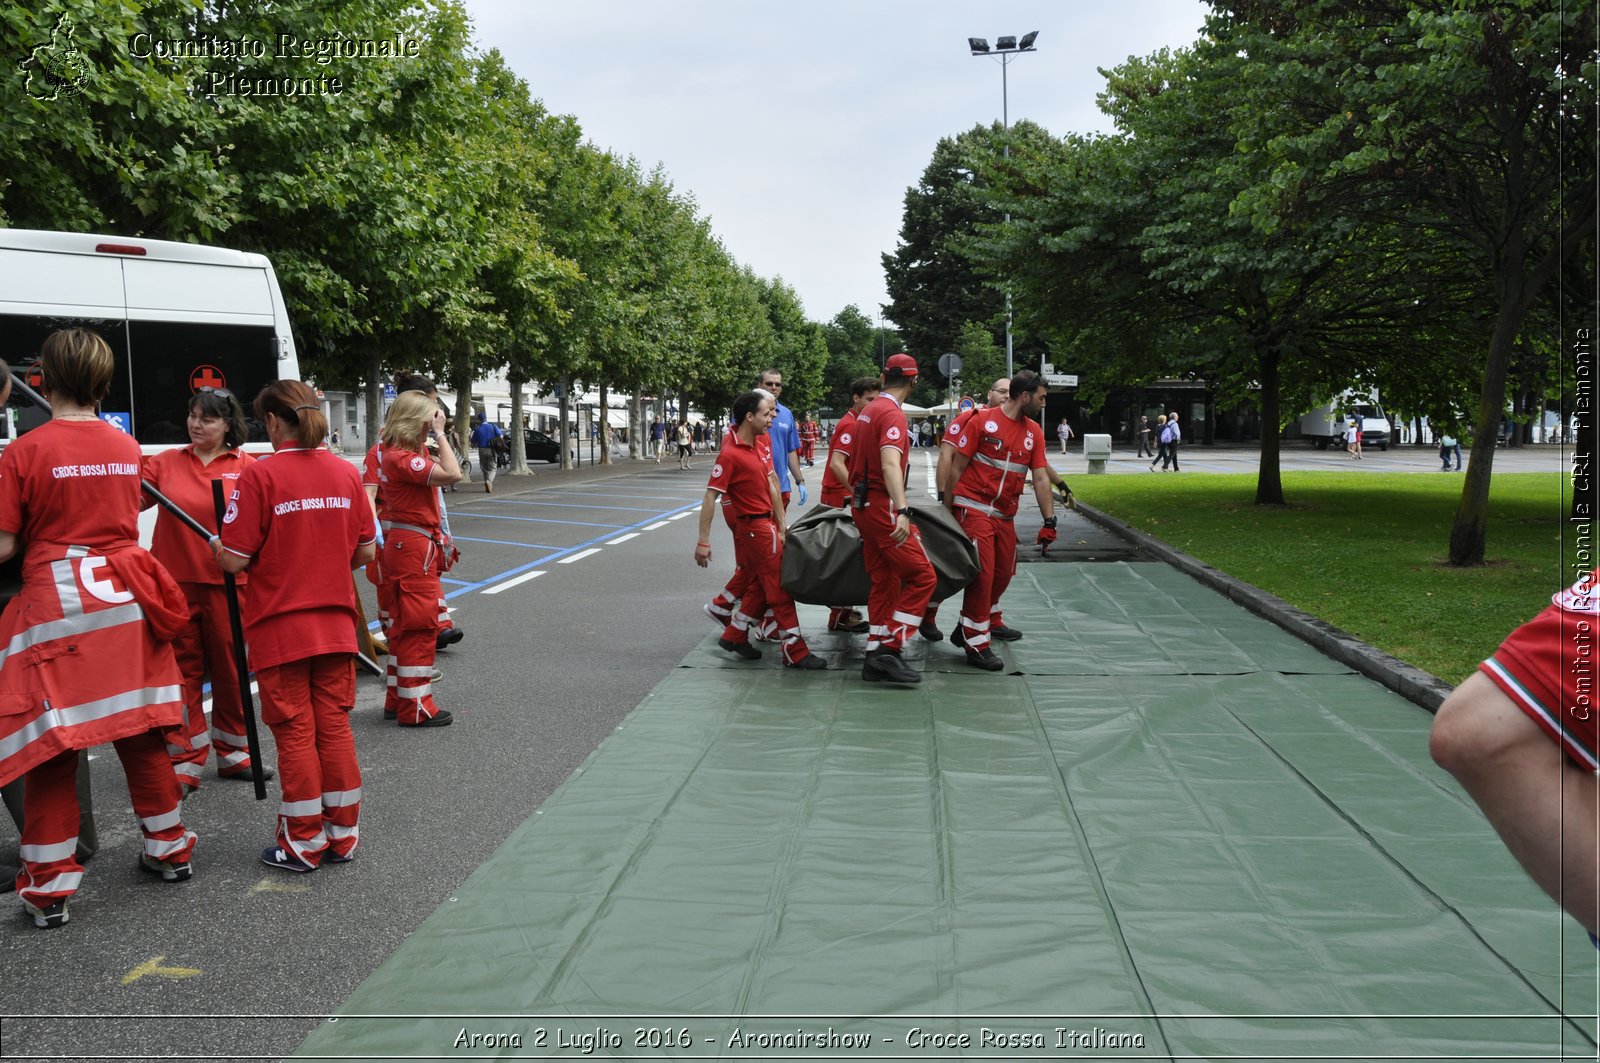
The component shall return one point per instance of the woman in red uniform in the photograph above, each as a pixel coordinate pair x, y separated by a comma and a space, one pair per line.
217, 431
414, 549
300, 523
86, 657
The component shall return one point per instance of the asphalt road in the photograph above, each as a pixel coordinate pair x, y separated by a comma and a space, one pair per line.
550, 666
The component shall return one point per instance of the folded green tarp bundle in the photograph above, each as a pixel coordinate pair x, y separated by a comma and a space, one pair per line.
822, 559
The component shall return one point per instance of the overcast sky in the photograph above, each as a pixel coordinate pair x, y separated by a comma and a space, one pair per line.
798, 127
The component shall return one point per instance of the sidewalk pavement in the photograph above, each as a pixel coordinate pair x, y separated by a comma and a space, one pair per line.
1169, 829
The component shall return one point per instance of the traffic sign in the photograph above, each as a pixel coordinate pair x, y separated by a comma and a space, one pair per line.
388, 391
966, 403
122, 422
1061, 380
949, 365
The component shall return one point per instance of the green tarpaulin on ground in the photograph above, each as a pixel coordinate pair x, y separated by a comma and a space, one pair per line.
1168, 830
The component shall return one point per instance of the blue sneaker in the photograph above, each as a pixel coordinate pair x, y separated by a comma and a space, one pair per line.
273, 856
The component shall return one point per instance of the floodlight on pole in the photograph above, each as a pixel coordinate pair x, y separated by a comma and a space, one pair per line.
1005, 49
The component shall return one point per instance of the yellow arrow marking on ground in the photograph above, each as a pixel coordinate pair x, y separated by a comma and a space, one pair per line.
153, 966
278, 885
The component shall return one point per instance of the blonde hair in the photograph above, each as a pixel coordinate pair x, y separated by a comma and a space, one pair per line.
406, 426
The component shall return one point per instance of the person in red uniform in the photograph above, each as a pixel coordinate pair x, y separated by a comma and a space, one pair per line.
300, 522
205, 646
810, 433
415, 551
996, 452
1522, 735
835, 483
90, 659
741, 480
720, 608
998, 392
891, 547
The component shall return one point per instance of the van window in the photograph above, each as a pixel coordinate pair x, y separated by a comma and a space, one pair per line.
169, 360
172, 358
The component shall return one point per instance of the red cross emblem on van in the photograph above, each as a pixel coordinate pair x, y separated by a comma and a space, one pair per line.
207, 376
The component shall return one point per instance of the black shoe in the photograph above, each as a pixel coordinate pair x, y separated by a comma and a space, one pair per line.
743, 649
274, 856
267, 772
809, 663
860, 627
389, 714
50, 917
985, 659
886, 666
168, 872
958, 636
1004, 634
448, 637
930, 631
442, 718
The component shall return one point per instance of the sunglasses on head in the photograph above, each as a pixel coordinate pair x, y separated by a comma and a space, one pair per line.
207, 389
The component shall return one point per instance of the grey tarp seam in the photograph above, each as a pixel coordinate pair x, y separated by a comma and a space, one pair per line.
1383, 850
1059, 782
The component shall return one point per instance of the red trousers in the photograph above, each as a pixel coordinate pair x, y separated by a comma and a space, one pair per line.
384, 587
411, 565
902, 576
204, 648
50, 868
996, 541
758, 552
307, 705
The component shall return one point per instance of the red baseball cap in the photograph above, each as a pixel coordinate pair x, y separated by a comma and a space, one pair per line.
901, 365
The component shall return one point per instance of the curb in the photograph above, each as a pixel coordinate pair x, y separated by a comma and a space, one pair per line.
1410, 682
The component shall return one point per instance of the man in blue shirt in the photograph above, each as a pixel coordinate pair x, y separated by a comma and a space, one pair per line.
483, 437
785, 436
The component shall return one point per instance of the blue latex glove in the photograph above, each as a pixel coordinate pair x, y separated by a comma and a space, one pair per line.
804, 498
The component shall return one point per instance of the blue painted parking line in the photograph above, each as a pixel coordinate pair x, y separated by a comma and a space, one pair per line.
577, 548
458, 515
567, 505
457, 582
503, 542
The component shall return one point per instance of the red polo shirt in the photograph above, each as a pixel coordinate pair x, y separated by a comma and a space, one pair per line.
740, 477
186, 480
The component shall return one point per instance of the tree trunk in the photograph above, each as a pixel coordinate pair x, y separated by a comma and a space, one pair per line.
564, 402
519, 451
1269, 477
374, 395
604, 428
1469, 532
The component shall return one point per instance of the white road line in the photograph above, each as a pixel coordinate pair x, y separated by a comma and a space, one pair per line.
685, 513
657, 524
933, 470
623, 538
508, 584
578, 557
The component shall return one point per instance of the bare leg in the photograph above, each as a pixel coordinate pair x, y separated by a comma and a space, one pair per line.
1541, 804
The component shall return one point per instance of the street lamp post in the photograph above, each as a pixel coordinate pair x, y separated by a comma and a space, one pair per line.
1005, 49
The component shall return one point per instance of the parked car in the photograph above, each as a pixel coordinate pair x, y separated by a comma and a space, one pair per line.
540, 447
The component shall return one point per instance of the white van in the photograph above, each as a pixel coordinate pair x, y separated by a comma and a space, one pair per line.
177, 317
1328, 423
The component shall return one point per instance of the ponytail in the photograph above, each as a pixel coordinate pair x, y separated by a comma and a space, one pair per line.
294, 403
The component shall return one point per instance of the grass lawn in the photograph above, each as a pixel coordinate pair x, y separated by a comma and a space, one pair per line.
1365, 551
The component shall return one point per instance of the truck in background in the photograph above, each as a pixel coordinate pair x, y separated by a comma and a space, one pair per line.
1328, 423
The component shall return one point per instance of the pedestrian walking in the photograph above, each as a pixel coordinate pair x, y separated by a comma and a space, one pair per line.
300, 619
485, 435
785, 441
741, 478
1064, 433
685, 439
992, 459
903, 578
1352, 436
836, 483
1143, 432
1172, 435
1449, 445
1161, 442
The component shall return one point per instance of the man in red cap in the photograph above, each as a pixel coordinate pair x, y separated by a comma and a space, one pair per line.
903, 579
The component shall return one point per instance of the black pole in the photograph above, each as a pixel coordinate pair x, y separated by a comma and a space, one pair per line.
252, 740
172, 507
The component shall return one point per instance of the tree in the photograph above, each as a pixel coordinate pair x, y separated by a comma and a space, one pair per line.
934, 283
852, 353
1473, 122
